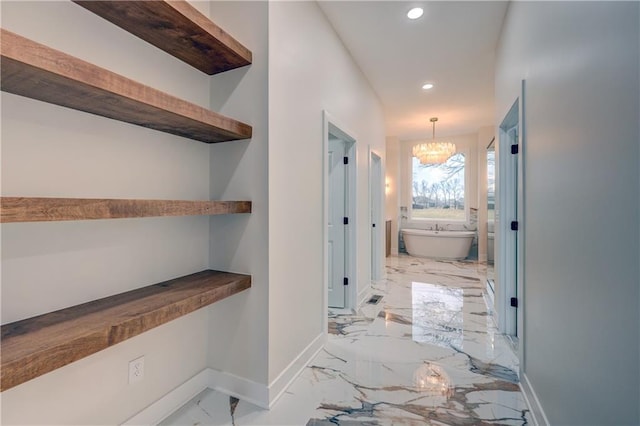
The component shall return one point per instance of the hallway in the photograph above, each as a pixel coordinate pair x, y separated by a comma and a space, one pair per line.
427, 353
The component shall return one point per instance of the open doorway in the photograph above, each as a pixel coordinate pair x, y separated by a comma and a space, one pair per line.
340, 215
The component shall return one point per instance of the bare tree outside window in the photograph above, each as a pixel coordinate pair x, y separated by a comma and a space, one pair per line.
438, 190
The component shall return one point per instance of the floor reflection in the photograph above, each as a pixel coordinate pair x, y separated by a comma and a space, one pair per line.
433, 379
437, 314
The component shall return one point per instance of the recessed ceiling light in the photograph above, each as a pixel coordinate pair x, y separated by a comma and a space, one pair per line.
427, 86
415, 13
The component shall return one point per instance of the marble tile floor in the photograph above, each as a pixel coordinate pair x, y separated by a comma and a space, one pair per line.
427, 354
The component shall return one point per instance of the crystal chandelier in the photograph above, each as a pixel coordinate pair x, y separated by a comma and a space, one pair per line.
434, 152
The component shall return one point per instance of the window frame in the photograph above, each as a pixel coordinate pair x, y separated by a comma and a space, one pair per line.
460, 149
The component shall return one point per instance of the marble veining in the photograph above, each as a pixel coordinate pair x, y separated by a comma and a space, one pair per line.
428, 354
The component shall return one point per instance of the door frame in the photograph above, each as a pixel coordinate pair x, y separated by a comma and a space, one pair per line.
376, 209
507, 243
507, 261
331, 125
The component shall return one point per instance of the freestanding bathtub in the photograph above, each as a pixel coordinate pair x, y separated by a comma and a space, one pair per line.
437, 244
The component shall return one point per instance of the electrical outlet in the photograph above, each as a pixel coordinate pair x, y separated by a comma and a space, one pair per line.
136, 370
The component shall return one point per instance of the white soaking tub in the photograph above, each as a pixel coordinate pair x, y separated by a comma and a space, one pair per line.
437, 244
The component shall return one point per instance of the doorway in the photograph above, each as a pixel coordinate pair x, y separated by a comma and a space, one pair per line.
375, 201
339, 215
510, 224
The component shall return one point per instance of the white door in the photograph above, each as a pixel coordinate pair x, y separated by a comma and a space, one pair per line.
375, 197
507, 218
337, 228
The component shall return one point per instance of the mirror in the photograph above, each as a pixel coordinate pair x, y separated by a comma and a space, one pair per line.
491, 204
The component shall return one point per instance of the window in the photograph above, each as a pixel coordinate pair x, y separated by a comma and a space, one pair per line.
438, 190
491, 184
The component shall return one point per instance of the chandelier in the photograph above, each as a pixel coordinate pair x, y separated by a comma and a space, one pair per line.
434, 152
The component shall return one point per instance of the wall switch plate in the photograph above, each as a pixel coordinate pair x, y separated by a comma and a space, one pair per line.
136, 370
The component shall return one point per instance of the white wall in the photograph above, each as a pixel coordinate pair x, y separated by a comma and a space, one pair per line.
238, 332
53, 151
309, 71
581, 65
392, 192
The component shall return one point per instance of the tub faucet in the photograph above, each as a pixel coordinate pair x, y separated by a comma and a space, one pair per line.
437, 227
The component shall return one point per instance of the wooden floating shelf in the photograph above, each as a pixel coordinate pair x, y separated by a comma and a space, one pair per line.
39, 345
23, 209
36, 71
177, 28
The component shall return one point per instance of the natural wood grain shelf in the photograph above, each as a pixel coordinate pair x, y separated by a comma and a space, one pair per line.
24, 209
177, 28
36, 71
38, 345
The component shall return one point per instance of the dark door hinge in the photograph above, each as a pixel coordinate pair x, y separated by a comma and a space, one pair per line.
373, 225
514, 302
345, 220
345, 281
345, 160
514, 148
514, 225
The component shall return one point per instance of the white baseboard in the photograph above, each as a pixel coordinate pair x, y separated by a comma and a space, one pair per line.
257, 393
244, 389
168, 404
537, 413
293, 370
247, 390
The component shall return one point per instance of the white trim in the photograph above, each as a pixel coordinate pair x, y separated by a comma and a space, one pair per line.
352, 229
538, 416
280, 384
244, 389
520, 285
247, 390
505, 240
168, 404
325, 215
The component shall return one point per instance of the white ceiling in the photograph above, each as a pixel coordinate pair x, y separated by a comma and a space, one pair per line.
452, 46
